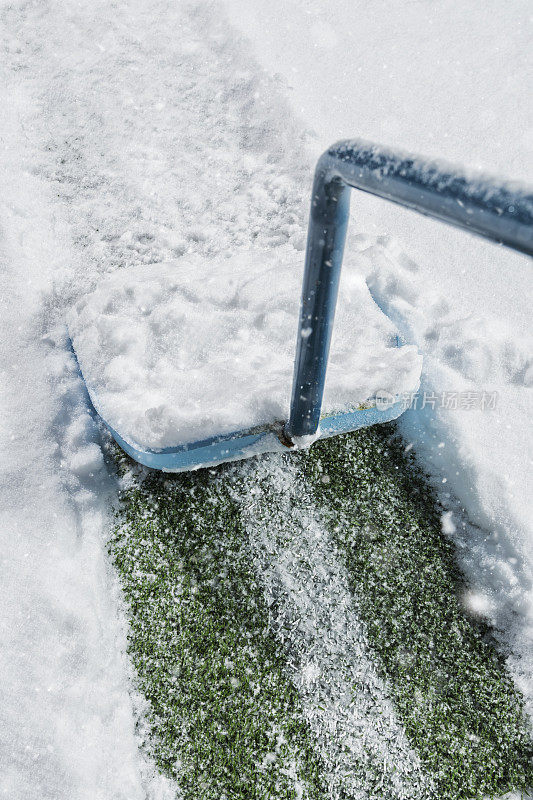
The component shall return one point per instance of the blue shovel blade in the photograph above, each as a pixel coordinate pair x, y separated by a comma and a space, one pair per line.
240, 444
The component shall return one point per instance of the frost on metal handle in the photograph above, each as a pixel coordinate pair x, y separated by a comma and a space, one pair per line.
498, 210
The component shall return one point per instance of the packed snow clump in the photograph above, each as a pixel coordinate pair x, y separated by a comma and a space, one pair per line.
177, 352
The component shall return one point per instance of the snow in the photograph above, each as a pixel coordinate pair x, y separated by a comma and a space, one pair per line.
434, 79
178, 352
66, 722
477, 381
100, 170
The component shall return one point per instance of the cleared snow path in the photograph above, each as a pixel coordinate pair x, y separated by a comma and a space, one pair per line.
363, 746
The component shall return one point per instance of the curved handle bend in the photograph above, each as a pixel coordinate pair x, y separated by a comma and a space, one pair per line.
493, 209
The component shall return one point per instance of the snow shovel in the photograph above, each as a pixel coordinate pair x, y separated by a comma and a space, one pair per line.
498, 211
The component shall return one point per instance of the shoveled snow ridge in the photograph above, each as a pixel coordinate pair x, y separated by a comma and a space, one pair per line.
178, 352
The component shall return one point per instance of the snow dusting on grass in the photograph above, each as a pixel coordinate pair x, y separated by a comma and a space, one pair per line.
260, 595
363, 747
450, 686
224, 719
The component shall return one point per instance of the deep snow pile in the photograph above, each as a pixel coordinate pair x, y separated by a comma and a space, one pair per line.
178, 352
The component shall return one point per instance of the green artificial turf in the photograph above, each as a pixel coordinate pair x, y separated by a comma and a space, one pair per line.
225, 720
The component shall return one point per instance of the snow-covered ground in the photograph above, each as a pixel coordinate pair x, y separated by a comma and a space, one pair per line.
66, 719
137, 133
446, 82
